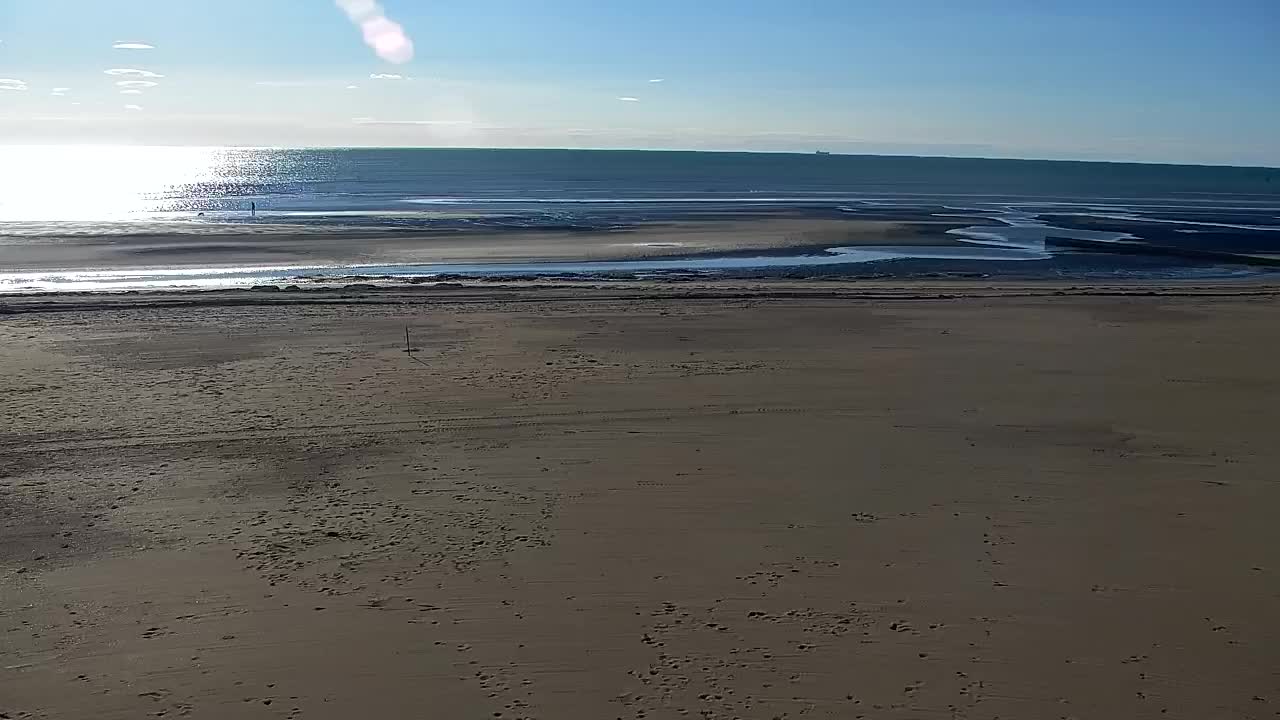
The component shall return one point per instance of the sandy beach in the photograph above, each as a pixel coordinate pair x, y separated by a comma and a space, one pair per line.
210, 245
706, 500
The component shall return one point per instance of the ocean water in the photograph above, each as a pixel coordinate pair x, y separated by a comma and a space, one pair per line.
101, 184
56, 192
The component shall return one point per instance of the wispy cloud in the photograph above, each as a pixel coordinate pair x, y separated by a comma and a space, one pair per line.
136, 84
125, 45
658, 80
386, 37
11, 84
376, 121
629, 99
353, 87
132, 72
59, 92
134, 108
386, 76
130, 92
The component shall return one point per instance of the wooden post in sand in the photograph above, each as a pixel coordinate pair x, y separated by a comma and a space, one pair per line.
408, 348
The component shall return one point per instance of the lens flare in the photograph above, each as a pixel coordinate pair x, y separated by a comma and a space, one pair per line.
385, 36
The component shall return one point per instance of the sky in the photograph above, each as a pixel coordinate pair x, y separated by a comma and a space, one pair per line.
1159, 81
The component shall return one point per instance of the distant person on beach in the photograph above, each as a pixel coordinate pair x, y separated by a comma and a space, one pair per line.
253, 209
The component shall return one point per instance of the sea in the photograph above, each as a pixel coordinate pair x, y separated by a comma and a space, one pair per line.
1036, 218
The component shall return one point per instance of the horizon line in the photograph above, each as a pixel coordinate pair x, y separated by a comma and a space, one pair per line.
804, 153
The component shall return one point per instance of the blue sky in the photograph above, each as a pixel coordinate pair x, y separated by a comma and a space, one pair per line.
1173, 80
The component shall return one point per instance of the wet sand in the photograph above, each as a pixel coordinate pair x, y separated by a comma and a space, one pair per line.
187, 245
705, 501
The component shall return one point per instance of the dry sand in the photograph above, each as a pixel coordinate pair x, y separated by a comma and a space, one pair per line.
232, 245
713, 502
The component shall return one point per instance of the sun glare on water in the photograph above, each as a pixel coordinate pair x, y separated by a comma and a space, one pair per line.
103, 183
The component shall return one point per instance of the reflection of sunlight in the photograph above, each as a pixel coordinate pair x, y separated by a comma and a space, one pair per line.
98, 183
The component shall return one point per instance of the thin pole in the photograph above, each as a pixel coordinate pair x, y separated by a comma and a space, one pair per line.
407, 347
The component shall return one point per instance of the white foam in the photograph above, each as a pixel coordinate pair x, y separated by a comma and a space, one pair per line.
1140, 218
233, 277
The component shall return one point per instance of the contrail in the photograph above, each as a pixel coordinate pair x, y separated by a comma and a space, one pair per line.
386, 37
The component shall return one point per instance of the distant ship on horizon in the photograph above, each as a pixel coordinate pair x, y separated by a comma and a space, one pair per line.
822, 152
